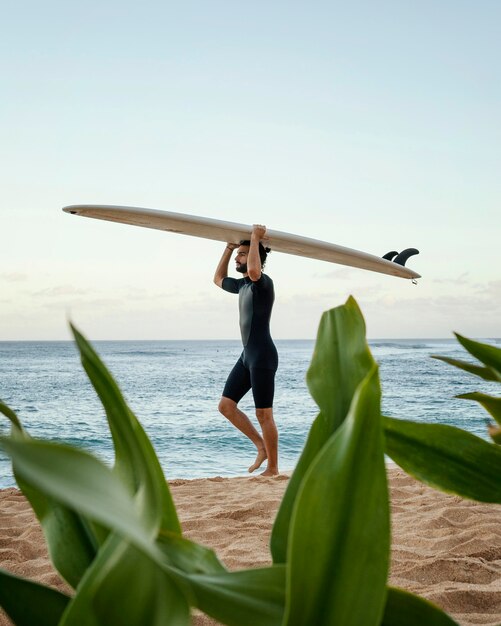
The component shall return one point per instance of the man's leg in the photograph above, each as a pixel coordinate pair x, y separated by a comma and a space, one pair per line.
270, 437
237, 385
238, 418
263, 390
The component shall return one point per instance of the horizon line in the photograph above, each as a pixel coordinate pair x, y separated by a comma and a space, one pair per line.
238, 340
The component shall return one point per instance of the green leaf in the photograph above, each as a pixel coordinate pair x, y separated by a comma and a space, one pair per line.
78, 480
447, 458
486, 373
403, 607
318, 435
188, 556
135, 460
341, 360
487, 354
339, 541
28, 603
490, 403
150, 595
71, 543
81, 481
9, 413
70, 539
151, 598
243, 598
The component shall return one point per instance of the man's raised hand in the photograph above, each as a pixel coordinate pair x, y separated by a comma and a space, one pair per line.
259, 231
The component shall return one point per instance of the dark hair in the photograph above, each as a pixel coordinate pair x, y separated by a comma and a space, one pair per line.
263, 252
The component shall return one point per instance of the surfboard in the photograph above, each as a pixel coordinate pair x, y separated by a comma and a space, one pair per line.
230, 232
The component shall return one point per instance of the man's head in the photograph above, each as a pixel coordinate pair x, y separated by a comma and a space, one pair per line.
243, 252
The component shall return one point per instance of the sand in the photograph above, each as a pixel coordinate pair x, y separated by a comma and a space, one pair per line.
443, 548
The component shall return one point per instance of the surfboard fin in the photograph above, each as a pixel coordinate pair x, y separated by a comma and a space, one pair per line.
389, 255
401, 258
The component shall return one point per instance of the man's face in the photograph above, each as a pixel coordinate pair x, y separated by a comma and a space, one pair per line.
241, 259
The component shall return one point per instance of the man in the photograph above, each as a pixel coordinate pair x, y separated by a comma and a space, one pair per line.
256, 367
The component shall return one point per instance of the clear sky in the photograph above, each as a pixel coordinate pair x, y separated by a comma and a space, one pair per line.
374, 125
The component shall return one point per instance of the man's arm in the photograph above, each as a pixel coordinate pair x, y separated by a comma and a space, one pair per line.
254, 260
222, 268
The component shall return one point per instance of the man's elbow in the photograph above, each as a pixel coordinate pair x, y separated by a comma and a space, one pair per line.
254, 275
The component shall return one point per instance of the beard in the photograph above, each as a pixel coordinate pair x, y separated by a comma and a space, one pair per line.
242, 268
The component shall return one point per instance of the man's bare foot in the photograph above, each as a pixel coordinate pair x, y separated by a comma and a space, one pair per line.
260, 458
269, 472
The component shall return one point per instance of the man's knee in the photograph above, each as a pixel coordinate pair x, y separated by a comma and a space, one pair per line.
226, 406
264, 415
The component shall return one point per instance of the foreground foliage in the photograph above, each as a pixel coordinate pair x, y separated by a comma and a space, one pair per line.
114, 535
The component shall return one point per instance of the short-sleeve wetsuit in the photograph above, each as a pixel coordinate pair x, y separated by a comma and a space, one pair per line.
256, 367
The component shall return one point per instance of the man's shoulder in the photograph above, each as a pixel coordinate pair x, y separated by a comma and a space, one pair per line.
264, 282
232, 285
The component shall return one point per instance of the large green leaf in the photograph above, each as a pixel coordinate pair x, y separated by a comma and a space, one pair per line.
77, 479
188, 556
490, 403
487, 354
243, 598
83, 483
406, 609
135, 460
487, 373
28, 603
341, 360
447, 458
124, 586
70, 540
339, 541
318, 435
152, 596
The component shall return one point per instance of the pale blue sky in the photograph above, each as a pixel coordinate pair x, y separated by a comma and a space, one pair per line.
371, 125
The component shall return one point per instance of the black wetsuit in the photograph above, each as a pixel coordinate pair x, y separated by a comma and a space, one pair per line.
258, 362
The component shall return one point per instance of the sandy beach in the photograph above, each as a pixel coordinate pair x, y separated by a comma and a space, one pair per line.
443, 548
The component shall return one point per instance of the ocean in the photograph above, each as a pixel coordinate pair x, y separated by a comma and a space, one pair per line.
174, 388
